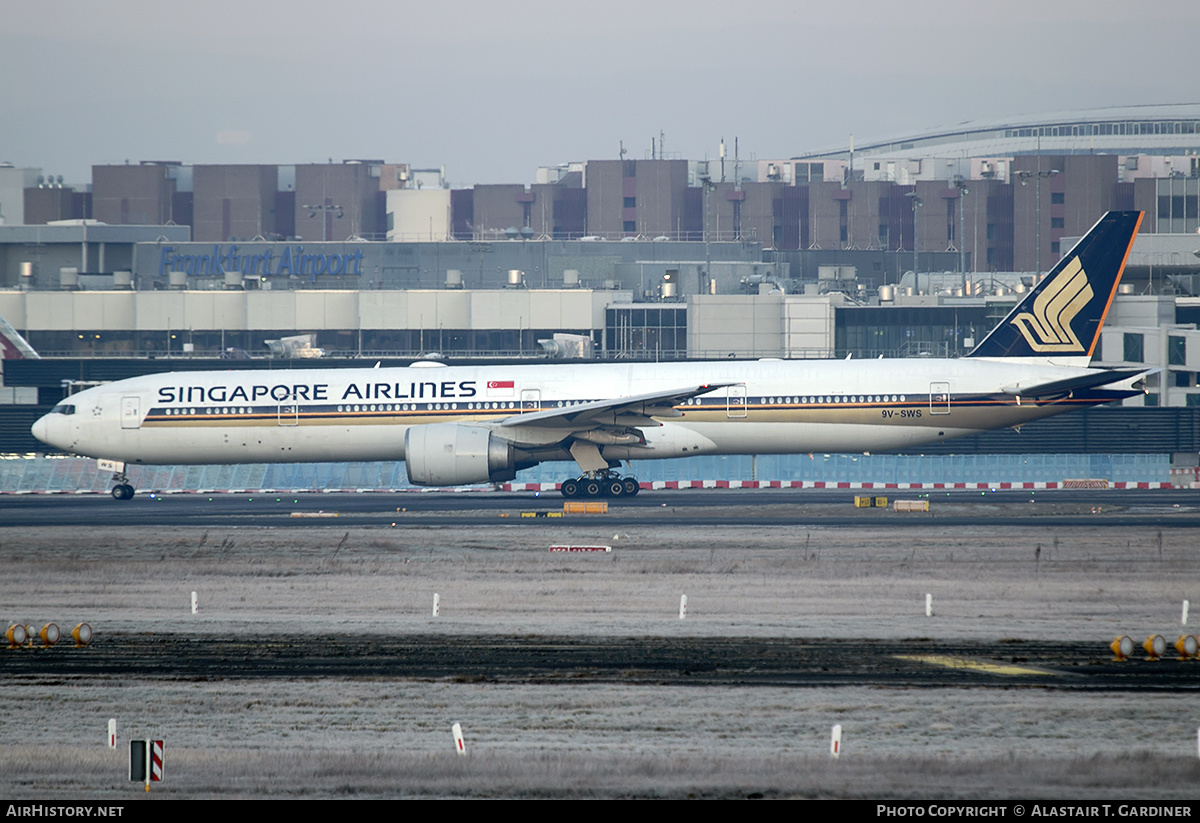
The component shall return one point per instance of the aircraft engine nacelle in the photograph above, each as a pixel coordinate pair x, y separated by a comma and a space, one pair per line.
451, 454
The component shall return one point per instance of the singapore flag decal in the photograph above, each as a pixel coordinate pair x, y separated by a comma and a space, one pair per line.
500, 388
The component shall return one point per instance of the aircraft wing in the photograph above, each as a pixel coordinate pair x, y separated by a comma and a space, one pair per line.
620, 411
1070, 384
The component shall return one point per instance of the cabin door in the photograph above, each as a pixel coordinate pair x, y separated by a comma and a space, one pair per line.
131, 412
736, 401
939, 397
289, 414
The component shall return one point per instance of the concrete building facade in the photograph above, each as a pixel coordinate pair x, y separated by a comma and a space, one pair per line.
14, 182
140, 195
627, 198
339, 201
232, 202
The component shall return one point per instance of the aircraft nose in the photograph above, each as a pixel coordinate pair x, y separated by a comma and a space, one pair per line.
41, 428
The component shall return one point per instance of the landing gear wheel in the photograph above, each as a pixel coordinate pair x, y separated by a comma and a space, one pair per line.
631, 487
592, 488
614, 487
569, 488
122, 491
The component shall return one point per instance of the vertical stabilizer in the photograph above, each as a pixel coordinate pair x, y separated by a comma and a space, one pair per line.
1063, 315
12, 345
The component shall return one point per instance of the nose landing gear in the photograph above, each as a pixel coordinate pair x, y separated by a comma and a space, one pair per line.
123, 490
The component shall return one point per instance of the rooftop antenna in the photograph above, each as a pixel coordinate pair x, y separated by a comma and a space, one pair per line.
621, 143
722, 159
737, 174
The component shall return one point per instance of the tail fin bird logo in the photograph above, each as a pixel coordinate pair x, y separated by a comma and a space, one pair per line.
1048, 327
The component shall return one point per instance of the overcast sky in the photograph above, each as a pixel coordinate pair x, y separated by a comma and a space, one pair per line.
492, 90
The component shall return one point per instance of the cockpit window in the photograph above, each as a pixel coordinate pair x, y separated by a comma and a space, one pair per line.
63, 408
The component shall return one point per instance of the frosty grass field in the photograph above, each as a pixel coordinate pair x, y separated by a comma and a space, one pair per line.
390, 737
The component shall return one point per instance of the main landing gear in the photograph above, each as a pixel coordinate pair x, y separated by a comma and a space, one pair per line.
600, 484
122, 490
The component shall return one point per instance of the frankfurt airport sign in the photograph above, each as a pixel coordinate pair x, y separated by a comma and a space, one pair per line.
290, 260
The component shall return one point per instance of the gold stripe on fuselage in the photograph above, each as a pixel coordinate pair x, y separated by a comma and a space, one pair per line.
974, 413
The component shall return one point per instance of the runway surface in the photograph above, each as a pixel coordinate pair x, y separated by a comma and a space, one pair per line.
1159, 508
644, 661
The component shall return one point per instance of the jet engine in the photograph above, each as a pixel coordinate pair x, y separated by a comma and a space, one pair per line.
452, 454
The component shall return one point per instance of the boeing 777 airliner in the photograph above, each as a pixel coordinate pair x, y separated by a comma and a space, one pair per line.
457, 425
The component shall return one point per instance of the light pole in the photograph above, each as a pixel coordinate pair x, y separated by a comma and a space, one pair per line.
1037, 176
963, 191
324, 209
917, 202
709, 186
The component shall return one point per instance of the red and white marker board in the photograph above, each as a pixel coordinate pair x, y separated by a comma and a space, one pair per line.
156, 761
146, 762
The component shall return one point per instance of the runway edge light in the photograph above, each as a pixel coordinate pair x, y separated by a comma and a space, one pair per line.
1187, 646
1122, 647
82, 634
1155, 645
16, 635
49, 634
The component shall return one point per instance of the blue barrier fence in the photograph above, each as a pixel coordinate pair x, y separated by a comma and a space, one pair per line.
32, 473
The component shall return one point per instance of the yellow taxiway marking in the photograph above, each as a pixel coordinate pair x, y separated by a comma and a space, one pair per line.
975, 665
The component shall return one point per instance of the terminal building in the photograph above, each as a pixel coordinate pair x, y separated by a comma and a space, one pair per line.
909, 247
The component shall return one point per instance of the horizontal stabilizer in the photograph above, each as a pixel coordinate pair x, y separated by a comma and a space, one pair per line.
1065, 386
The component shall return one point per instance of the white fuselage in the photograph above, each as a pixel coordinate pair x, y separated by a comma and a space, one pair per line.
764, 407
